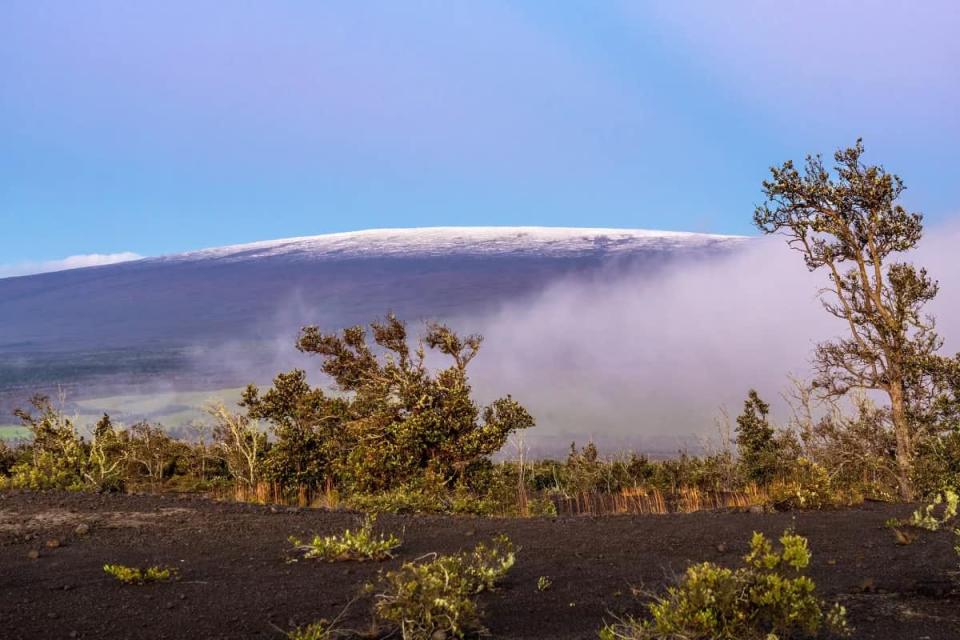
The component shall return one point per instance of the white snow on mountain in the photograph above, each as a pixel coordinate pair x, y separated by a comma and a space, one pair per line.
437, 241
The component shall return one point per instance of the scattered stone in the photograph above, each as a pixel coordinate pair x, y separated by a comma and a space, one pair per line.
722, 547
82, 529
867, 585
33, 554
53, 543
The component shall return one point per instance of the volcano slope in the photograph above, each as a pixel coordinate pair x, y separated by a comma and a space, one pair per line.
235, 580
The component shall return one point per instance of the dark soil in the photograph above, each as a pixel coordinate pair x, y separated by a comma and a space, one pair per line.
235, 581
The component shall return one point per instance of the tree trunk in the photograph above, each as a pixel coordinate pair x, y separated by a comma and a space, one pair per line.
901, 430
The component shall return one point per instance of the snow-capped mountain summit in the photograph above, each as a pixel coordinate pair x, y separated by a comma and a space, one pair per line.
140, 319
472, 241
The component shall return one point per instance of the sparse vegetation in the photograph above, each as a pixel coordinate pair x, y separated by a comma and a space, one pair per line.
137, 575
362, 544
436, 597
769, 597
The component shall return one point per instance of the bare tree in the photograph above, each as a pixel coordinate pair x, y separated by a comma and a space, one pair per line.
850, 223
241, 444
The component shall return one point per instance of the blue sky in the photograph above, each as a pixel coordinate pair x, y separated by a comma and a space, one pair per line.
161, 127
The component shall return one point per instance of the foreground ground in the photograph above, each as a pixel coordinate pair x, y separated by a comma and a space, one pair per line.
235, 581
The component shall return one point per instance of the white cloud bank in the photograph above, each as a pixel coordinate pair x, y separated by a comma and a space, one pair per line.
640, 360
71, 262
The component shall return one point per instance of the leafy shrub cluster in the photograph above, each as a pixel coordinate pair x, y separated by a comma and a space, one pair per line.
769, 597
57, 456
938, 513
395, 427
432, 597
137, 575
362, 544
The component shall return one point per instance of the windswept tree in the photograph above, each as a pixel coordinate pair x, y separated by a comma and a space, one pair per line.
404, 419
849, 223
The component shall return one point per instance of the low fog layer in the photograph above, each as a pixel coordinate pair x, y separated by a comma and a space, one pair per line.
628, 357
628, 362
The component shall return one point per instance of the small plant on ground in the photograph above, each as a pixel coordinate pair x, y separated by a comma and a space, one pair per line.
321, 630
362, 544
926, 518
137, 575
544, 583
437, 597
767, 599
325, 629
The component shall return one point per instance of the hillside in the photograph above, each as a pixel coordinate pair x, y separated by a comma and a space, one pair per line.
171, 318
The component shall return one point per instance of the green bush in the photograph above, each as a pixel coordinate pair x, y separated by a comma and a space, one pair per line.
136, 575
56, 456
768, 598
927, 518
401, 419
755, 440
361, 544
437, 598
807, 486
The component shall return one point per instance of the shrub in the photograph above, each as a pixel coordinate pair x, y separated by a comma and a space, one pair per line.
853, 440
307, 425
755, 440
937, 465
320, 630
8, 458
437, 598
807, 486
56, 456
926, 518
361, 544
770, 597
151, 453
402, 418
104, 468
422, 495
136, 575
240, 444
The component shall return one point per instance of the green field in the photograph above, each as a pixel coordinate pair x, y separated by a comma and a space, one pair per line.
173, 410
12, 432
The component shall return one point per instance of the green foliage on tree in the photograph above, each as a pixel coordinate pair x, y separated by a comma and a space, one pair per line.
57, 456
849, 222
307, 429
756, 443
394, 420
